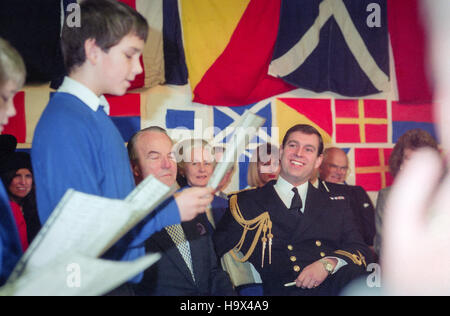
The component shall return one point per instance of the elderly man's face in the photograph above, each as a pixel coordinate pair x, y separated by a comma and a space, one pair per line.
334, 167
154, 157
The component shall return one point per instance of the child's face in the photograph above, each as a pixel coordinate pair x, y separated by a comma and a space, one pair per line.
120, 65
7, 109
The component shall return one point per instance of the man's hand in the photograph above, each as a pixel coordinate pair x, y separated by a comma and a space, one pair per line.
314, 274
193, 201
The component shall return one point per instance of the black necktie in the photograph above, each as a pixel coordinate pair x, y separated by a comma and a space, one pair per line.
296, 203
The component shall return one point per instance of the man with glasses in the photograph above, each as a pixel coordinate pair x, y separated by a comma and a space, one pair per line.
333, 173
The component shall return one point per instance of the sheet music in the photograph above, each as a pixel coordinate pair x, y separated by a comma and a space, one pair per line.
245, 130
81, 222
76, 275
90, 224
148, 195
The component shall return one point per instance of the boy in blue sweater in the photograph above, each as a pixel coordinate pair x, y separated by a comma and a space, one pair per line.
12, 77
76, 145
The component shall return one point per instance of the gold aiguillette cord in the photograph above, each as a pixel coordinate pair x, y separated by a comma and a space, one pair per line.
262, 223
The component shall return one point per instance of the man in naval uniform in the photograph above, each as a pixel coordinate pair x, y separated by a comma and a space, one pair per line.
301, 240
333, 173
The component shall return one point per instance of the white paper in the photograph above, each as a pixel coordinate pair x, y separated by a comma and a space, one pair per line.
89, 224
148, 195
245, 130
77, 275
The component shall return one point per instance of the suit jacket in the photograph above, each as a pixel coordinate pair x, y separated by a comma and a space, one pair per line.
361, 205
170, 276
325, 229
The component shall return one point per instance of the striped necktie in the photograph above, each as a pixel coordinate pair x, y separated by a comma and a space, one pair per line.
179, 238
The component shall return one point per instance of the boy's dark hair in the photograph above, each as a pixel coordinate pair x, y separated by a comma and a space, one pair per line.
305, 129
105, 21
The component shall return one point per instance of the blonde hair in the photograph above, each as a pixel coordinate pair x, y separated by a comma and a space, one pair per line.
183, 150
12, 67
253, 178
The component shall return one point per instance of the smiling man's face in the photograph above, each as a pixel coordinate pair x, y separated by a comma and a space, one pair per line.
299, 157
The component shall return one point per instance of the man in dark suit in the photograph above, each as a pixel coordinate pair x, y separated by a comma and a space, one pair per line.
333, 173
307, 243
189, 264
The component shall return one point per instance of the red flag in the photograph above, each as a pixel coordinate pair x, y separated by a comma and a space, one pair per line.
372, 168
361, 121
17, 124
125, 105
410, 53
139, 81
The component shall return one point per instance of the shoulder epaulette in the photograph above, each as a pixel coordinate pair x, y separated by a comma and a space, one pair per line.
243, 190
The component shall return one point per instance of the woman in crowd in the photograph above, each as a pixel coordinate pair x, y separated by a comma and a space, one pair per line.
17, 176
265, 167
196, 163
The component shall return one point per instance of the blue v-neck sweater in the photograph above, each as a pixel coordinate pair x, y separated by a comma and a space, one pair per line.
76, 147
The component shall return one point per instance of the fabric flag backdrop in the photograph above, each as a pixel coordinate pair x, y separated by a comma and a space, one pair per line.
333, 45
361, 121
216, 52
234, 73
344, 47
406, 117
134, 111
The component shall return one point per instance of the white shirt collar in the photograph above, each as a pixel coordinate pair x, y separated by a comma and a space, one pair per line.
284, 191
83, 93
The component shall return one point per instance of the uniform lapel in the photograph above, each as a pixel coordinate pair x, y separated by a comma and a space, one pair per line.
313, 207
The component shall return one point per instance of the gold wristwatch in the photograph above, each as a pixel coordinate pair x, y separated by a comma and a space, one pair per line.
327, 265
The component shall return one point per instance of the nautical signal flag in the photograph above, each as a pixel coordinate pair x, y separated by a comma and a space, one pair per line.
410, 116
228, 61
226, 116
125, 112
361, 121
333, 45
411, 65
315, 112
17, 125
372, 168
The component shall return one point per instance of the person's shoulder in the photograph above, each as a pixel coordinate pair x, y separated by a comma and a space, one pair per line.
332, 194
63, 108
243, 192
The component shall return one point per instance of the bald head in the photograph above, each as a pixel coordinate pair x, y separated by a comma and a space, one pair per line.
151, 153
334, 166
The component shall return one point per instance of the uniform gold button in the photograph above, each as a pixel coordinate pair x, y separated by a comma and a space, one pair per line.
322, 254
290, 247
293, 258
318, 243
296, 268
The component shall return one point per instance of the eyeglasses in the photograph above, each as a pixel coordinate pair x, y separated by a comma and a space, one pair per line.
336, 168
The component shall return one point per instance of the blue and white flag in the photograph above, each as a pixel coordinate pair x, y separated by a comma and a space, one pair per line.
333, 45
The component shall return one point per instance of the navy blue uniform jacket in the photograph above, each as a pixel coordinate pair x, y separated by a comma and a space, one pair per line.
327, 228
